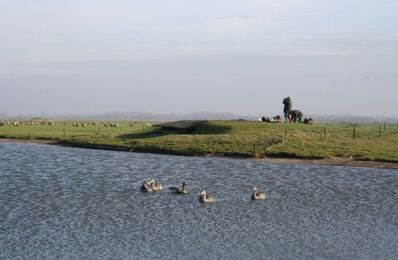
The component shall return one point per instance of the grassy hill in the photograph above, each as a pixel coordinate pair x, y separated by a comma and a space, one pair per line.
229, 138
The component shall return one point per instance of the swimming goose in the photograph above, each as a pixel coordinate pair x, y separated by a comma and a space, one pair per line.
155, 185
151, 185
257, 196
146, 186
205, 198
180, 190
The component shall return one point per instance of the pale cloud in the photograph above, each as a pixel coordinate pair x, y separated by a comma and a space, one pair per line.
227, 54
101, 30
113, 30
50, 30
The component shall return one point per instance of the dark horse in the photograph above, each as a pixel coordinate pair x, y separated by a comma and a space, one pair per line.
296, 116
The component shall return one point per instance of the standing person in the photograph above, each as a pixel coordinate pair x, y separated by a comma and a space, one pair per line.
287, 108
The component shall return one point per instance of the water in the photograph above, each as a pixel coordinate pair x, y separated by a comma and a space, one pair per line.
72, 203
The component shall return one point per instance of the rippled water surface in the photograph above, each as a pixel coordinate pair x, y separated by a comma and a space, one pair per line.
77, 203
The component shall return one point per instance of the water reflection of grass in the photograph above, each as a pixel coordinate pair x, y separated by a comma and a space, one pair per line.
234, 138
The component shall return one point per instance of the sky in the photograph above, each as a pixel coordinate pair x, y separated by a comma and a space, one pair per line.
176, 56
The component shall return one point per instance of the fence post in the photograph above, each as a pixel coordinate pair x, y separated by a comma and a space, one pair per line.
99, 130
324, 133
254, 151
384, 127
285, 133
64, 132
379, 130
353, 133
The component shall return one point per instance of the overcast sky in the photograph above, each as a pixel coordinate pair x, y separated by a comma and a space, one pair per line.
179, 56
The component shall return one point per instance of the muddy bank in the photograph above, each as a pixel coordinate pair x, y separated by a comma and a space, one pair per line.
337, 162
29, 141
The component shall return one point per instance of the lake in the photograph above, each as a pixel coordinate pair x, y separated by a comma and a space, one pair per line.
58, 202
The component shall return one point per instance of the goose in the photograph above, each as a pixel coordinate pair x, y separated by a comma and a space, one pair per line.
151, 185
181, 190
257, 196
205, 197
147, 186
156, 186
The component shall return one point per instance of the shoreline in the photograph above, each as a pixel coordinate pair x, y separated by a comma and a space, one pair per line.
335, 161
29, 141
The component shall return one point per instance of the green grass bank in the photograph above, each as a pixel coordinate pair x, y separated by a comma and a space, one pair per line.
247, 139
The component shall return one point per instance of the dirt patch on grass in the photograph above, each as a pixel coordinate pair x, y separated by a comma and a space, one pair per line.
28, 141
338, 161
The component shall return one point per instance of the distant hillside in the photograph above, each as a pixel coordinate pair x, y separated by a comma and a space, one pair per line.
144, 116
352, 118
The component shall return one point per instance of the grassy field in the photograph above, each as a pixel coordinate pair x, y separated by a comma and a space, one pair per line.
229, 138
